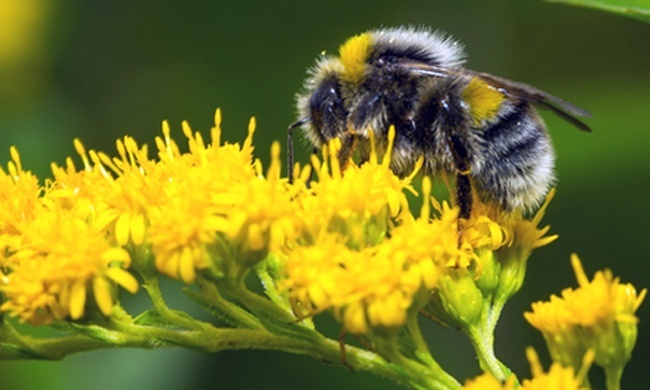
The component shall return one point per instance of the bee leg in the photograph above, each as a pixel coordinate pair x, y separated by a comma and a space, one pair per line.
456, 132
464, 195
292, 126
463, 185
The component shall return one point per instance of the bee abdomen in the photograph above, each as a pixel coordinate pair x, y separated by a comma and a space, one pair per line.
518, 160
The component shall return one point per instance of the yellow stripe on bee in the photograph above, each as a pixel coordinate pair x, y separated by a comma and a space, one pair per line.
483, 100
354, 53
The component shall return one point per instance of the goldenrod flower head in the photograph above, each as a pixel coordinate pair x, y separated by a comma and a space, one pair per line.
217, 208
118, 185
525, 234
19, 202
553, 319
558, 377
487, 381
374, 280
521, 237
364, 288
182, 227
184, 222
62, 255
357, 201
431, 243
599, 314
136, 189
603, 299
260, 213
493, 266
345, 262
363, 189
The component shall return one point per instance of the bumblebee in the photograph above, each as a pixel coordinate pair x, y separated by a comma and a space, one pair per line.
481, 129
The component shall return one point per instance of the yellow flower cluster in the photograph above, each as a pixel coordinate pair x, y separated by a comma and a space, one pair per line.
344, 260
370, 261
346, 242
54, 252
557, 377
598, 315
194, 211
216, 205
371, 280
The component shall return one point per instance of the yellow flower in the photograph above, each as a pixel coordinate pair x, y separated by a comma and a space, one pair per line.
431, 244
558, 377
374, 280
521, 237
487, 381
184, 223
182, 228
259, 213
359, 202
492, 250
55, 245
364, 288
343, 262
96, 188
137, 187
19, 203
598, 315
365, 210
63, 256
217, 209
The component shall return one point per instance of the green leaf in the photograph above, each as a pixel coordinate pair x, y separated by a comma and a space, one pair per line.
638, 9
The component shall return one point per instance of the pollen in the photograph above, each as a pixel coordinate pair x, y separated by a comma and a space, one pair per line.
483, 100
354, 53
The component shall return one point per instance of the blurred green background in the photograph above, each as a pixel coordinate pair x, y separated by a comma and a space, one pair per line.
100, 70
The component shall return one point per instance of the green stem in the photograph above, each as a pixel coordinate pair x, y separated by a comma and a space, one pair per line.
419, 375
613, 375
483, 342
213, 302
424, 355
259, 305
54, 348
208, 339
493, 314
421, 347
270, 288
152, 287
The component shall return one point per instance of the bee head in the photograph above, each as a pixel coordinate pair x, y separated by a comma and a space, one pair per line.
354, 54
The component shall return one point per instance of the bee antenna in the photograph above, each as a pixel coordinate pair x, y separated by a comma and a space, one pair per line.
292, 126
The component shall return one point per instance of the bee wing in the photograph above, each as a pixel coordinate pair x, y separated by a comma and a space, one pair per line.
560, 107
